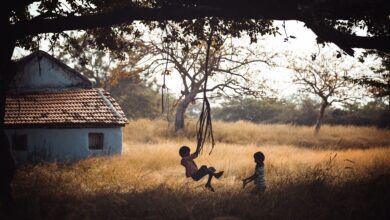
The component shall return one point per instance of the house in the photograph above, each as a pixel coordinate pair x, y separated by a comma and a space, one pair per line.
54, 114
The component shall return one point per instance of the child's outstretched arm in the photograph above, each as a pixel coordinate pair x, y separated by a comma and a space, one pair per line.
248, 180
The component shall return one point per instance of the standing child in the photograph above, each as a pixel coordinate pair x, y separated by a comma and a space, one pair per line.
258, 176
192, 169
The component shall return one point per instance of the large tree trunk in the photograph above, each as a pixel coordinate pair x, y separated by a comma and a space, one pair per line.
181, 109
320, 117
7, 163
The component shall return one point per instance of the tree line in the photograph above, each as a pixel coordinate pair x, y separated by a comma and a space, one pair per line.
330, 78
303, 112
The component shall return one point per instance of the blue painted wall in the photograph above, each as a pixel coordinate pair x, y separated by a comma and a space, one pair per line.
64, 144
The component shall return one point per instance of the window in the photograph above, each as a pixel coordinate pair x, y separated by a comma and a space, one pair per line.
19, 142
95, 141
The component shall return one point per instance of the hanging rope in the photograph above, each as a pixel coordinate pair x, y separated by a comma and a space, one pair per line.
165, 102
204, 125
164, 87
167, 107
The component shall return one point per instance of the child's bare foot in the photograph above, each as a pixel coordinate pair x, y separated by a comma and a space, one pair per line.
218, 175
209, 187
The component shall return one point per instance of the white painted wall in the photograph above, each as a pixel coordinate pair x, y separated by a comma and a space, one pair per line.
65, 144
43, 73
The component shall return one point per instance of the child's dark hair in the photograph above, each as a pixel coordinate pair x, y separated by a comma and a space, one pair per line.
259, 156
184, 151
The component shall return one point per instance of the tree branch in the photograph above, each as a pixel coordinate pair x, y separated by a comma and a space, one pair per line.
348, 41
250, 10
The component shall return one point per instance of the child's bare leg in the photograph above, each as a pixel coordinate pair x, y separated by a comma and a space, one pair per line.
218, 175
208, 184
210, 172
209, 180
214, 172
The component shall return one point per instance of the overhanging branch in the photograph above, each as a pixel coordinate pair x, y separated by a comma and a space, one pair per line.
131, 13
179, 13
348, 41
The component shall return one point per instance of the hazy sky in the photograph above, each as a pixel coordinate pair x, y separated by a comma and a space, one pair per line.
279, 78
304, 44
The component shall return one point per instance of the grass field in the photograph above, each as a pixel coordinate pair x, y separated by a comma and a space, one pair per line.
244, 133
307, 176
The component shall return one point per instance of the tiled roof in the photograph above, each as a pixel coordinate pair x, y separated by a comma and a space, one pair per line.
65, 107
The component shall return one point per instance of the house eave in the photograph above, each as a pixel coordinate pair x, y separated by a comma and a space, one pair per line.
65, 125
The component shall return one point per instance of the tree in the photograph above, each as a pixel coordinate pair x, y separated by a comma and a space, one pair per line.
303, 112
324, 77
138, 101
267, 110
357, 114
103, 67
90, 63
115, 74
231, 71
378, 83
332, 21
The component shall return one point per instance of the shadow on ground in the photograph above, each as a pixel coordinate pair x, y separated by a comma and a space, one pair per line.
316, 200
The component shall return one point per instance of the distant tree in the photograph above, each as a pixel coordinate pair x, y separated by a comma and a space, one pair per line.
266, 110
378, 83
89, 63
120, 75
137, 99
356, 114
302, 112
230, 71
101, 66
324, 77
307, 111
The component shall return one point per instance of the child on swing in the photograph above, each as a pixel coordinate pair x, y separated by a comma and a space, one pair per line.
258, 176
192, 169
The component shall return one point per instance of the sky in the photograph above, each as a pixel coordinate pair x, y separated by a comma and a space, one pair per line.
305, 42
279, 78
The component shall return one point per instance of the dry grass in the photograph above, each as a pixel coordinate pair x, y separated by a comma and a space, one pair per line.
147, 181
272, 134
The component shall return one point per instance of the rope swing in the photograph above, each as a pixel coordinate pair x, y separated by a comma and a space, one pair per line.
164, 88
204, 125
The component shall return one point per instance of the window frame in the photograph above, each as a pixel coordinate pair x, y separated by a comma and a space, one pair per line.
98, 138
19, 142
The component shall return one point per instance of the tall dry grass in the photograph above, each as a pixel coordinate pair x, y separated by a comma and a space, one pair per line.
148, 182
155, 131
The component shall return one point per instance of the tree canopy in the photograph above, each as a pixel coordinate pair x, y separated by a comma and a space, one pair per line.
331, 20
233, 70
25, 22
